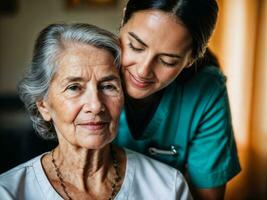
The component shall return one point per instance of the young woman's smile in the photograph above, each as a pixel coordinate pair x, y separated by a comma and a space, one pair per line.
137, 81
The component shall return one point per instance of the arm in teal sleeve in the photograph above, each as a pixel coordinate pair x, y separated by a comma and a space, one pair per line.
212, 155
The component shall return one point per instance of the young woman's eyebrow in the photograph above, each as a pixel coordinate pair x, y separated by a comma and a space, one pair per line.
137, 38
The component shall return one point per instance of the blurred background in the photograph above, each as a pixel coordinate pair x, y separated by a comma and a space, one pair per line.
240, 42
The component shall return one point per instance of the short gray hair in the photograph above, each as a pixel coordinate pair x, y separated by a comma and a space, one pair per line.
48, 46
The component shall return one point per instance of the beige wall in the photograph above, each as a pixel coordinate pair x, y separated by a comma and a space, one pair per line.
18, 31
234, 42
240, 41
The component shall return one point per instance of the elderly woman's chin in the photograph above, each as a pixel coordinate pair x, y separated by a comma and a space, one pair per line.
92, 141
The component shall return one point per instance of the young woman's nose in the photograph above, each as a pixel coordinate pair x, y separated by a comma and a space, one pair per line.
145, 68
92, 102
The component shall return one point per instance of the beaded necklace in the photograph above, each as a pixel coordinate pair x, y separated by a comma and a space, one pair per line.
117, 177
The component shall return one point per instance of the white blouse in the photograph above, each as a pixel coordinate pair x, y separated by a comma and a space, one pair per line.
145, 179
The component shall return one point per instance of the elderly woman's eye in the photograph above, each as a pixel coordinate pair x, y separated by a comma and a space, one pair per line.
74, 87
109, 89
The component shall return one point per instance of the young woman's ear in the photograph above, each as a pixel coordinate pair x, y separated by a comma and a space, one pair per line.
190, 60
190, 63
43, 108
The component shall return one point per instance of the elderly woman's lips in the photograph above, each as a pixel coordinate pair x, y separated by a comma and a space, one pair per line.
93, 125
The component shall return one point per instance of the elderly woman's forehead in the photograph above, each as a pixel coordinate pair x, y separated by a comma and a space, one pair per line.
83, 60
79, 46
85, 53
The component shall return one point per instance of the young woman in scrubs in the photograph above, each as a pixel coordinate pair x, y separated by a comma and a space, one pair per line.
177, 108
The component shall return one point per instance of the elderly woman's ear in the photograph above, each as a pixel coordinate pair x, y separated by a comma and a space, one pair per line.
43, 108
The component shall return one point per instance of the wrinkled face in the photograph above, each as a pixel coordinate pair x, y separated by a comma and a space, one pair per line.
155, 49
84, 98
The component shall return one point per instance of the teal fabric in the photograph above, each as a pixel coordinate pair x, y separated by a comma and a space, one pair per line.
194, 117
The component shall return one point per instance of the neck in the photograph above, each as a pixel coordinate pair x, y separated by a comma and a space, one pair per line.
83, 168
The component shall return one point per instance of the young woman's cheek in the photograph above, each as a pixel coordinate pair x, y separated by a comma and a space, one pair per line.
128, 58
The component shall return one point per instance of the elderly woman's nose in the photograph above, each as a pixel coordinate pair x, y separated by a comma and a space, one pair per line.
92, 102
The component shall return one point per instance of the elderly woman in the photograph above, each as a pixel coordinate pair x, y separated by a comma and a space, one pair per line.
73, 92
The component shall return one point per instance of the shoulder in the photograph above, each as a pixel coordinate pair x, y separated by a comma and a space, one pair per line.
19, 177
206, 77
211, 74
193, 90
151, 175
202, 86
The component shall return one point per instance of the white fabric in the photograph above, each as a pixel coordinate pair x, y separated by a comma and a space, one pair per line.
145, 179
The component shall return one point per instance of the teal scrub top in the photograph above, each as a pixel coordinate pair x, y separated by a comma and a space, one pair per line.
191, 130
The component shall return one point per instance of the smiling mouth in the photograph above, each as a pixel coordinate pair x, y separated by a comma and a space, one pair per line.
137, 82
94, 126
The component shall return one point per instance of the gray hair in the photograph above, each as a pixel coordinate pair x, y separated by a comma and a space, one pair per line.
48, 46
